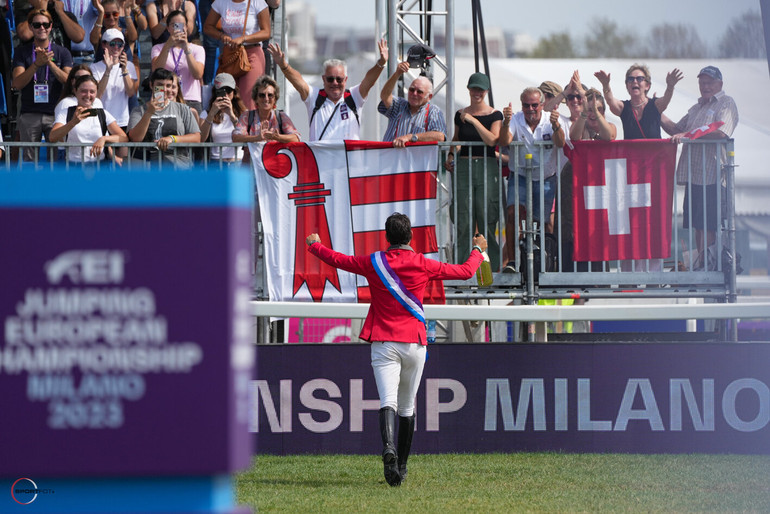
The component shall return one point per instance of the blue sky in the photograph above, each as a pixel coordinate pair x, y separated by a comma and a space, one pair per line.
542, 18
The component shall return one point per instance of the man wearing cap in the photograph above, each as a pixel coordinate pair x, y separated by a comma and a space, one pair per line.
713, 105
334, 110
116, 75
414, 118
529, 125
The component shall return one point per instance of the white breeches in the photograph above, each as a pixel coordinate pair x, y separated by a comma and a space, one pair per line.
397, 371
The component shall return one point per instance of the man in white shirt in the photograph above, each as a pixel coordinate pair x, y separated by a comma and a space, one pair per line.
333, 112
529, 125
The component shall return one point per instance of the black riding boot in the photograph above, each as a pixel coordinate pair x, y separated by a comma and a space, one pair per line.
405, 433
389, 457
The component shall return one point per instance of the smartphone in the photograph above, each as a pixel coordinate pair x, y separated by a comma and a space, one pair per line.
178, 26
92, 112
159, 94
219, 93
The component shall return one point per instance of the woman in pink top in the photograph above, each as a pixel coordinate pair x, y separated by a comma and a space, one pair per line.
184, 59
232, 14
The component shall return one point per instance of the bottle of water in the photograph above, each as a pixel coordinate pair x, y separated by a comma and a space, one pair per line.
484, 273
431, 331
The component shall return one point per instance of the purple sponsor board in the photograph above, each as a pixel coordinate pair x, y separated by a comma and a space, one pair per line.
608, 397
127, 346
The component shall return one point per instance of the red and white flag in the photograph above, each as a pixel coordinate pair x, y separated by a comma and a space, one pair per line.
344, 191
622, 198
703, 130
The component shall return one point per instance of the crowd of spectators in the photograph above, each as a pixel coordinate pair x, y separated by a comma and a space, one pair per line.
78, 74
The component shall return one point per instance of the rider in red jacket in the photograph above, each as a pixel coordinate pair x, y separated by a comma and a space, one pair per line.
397, 280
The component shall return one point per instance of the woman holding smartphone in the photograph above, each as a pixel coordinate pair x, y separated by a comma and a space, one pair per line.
184, 59
84, 123
218, 123
235, 15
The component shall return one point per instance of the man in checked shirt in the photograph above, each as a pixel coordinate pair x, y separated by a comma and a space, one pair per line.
413, 118
713, 105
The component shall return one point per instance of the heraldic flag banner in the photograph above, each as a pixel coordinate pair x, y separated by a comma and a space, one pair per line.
622, 198
344, 191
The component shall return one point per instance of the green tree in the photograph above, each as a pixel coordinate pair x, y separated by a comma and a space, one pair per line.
605, 39
558, 45
744, 38
674, 41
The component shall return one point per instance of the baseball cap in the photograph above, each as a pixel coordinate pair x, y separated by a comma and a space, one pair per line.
711, 71
551, 88
479, 80
112, 34
224, 80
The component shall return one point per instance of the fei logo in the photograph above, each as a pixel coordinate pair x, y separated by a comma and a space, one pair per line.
87, 267
23, 494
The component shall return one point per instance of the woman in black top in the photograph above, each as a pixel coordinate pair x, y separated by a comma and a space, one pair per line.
640, 115
475, 167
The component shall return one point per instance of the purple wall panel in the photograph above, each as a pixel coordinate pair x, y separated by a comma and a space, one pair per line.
639, 398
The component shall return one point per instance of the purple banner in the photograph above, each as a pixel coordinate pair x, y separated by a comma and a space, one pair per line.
631, 398
127, 344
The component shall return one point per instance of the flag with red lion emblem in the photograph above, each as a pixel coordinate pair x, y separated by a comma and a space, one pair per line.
344, 191
622, 198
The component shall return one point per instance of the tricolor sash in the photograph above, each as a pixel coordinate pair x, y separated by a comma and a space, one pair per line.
396, 287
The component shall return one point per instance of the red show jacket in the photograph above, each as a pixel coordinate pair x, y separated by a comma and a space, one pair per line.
387, 319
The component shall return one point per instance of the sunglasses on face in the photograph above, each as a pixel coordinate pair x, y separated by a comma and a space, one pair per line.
416, 91
530, 106
573, 97
637, 79
113, 14
331, 80
38, 24
266, 95
116, 44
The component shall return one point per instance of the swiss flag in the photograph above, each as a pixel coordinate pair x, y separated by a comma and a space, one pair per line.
622, 198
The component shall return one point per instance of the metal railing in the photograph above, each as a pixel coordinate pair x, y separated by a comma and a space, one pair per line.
676, 277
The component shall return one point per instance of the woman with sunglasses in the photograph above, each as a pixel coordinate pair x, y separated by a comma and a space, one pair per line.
39, 70
640, 116
116, 75
233, 17
184, 59
84, 123
265, 123
641, 120
217, 124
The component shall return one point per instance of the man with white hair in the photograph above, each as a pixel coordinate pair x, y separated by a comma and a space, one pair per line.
413, 118
333, 112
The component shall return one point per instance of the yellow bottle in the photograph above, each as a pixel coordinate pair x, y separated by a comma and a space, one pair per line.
484, 273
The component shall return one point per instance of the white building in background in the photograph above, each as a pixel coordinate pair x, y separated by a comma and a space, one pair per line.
301, 21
